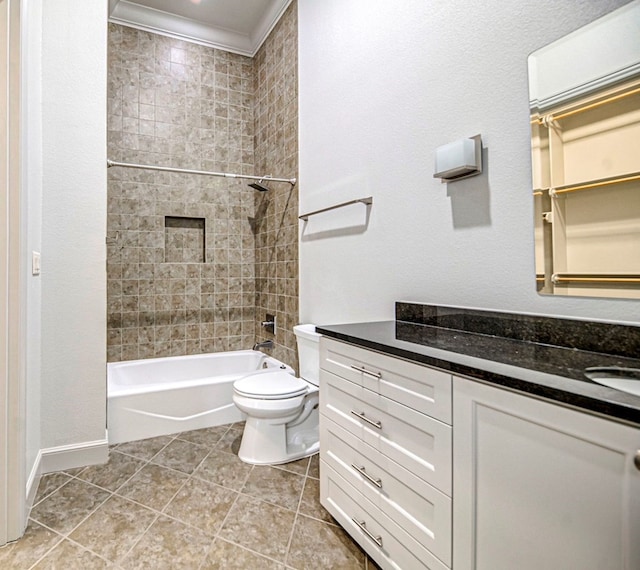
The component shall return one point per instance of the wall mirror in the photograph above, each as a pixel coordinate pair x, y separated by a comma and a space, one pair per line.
584, 92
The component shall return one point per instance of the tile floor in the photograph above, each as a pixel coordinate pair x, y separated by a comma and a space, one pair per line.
183, 502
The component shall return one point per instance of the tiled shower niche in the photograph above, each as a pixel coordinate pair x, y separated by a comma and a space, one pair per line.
184, 240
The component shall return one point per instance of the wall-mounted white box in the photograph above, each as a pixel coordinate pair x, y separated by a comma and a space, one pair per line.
459, 159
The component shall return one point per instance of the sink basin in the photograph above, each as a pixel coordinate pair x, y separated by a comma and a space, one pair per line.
623, 379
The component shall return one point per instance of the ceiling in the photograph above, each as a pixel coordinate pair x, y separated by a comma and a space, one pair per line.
239, 26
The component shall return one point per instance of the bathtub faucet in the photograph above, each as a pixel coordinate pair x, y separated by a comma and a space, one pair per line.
263, 344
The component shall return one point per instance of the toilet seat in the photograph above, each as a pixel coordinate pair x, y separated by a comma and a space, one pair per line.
270, 386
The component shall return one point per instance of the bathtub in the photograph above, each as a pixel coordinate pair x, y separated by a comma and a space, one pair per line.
160, 396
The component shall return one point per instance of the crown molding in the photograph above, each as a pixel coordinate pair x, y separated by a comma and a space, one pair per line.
141, 17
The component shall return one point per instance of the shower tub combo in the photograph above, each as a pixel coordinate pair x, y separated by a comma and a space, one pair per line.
161, 396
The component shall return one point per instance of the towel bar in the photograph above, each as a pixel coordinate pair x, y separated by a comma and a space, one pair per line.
368, 201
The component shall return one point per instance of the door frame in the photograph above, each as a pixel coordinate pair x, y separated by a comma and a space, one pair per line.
12, 307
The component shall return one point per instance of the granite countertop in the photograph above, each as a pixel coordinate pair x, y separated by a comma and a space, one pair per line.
543, 370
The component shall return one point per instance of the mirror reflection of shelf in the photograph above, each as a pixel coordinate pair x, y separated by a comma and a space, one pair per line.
621, 179
592, 278
586, 180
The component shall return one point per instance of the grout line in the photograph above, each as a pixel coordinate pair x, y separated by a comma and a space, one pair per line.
224, 521
61, 538
93, 510
297, 513
52, 492
83, 547
136, 542
257, 553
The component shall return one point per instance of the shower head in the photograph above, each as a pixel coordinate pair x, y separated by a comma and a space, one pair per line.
258, 186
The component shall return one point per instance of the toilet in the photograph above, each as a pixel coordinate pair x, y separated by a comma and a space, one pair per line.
282, 410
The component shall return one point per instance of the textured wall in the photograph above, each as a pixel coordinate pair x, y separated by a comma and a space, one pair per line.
276, 153
174, 103
382, 85
74, 187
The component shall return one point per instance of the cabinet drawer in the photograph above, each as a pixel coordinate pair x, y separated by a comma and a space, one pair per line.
389, 545
415, 506
417, 442
421, 388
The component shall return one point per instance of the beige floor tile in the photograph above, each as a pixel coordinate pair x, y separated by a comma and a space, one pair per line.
314, 466
299, 466
169, 545
207, 436
49, 483
181, 456
251, 508
114, 528
224, 469
153, 486
202, 504
230, 441
310, 502
320, 545
276, 486
25, 552
113, 474
226, 556
69, 556
259, 526
68, 506
145, 448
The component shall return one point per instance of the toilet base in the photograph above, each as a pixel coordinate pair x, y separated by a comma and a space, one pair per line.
264, 443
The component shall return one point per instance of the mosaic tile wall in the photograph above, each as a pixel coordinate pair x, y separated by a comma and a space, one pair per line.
174, 103
276, 153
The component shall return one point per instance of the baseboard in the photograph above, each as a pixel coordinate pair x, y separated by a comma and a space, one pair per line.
33, 480
74, 455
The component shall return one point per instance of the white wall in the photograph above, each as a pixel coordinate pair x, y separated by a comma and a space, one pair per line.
381, 85
32, 216
74, 60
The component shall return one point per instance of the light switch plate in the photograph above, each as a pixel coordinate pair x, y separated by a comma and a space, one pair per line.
35, 263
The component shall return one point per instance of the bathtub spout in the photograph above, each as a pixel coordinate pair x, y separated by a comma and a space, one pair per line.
263, 344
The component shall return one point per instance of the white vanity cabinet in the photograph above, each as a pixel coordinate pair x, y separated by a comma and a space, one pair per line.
386, 454
539, 486
427, 470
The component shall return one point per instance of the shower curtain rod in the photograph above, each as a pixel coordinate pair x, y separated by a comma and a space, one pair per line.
111, 163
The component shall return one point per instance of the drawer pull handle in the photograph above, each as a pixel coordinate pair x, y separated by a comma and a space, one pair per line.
361, 470
364, 418
363, 528
365, 371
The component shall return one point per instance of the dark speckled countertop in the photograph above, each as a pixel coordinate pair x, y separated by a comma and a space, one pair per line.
547, 371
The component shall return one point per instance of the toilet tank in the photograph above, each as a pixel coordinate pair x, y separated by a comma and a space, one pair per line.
308, 352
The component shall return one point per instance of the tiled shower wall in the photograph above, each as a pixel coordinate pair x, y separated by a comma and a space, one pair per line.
191, 257
181, 248
276, 153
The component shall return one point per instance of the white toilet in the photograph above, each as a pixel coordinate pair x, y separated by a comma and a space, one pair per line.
282, 410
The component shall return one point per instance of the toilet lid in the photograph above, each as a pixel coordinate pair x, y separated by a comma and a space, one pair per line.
270, 386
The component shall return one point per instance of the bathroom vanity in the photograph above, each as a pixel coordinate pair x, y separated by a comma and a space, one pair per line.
455, 438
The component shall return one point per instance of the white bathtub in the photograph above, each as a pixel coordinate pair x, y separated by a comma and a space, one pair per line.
160, 396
